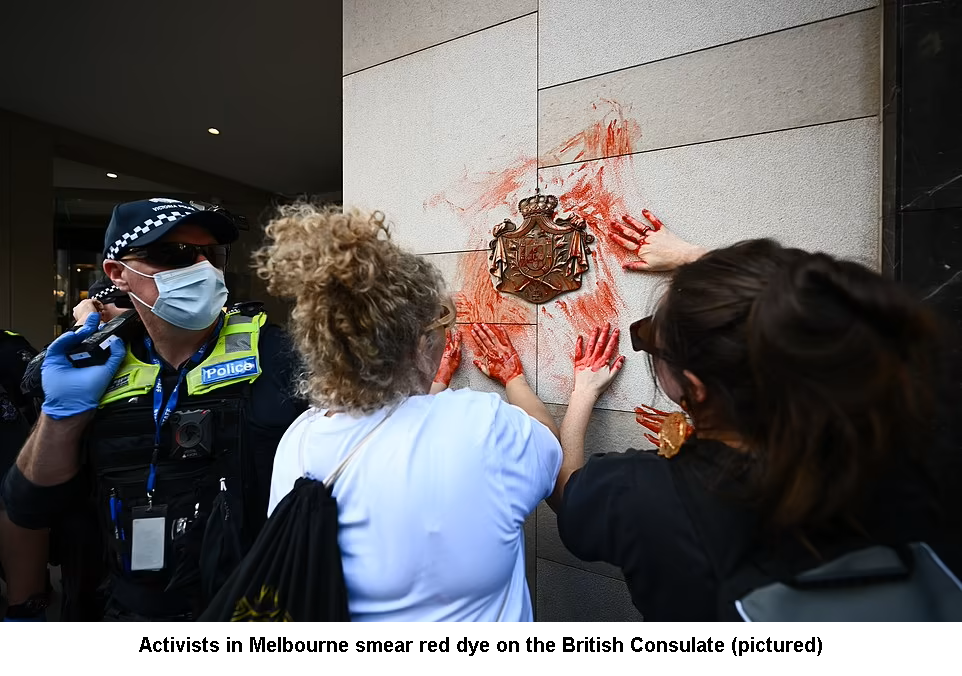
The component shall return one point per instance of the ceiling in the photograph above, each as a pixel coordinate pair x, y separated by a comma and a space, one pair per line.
69, 174
153, 76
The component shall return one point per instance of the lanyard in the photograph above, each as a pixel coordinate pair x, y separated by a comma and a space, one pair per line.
161, 416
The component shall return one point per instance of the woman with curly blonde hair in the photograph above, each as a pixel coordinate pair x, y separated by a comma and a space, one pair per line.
432, 507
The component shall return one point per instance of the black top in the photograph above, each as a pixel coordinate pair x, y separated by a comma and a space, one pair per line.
622, 508
679, 527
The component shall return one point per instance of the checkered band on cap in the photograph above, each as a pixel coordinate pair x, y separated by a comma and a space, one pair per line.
156, 221
106, 292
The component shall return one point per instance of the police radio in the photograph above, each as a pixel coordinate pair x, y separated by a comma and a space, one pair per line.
95, 348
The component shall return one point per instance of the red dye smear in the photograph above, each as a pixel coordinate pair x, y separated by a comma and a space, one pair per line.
614, 134
592, 191
600, 140
478, 301
493, 189
594, 309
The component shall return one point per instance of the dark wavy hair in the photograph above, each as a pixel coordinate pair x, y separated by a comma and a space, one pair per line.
823, 368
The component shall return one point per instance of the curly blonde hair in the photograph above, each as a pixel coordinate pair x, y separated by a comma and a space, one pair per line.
361, 305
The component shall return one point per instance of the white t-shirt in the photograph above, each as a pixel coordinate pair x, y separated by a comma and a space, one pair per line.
432, 507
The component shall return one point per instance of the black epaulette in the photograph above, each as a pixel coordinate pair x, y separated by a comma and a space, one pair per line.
249, 308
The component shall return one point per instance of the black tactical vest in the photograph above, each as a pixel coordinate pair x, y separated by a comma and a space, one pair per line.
204, 486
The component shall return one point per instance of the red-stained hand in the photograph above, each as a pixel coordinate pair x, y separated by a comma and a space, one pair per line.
451, 359
657, 247
671, 429
496, 356
597, 364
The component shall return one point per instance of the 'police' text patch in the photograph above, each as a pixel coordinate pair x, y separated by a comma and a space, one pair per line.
239, 368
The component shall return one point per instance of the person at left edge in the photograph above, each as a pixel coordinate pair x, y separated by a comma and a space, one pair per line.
145, 440
23, 552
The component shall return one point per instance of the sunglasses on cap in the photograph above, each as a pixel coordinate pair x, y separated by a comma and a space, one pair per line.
642, 334
180, 254
447, 319
238, 220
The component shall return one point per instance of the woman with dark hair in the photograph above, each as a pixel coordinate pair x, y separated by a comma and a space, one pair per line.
806, 389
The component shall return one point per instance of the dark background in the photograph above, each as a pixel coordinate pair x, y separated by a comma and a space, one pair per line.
922, 196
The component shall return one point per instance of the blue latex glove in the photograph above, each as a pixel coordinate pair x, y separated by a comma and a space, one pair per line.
69, 390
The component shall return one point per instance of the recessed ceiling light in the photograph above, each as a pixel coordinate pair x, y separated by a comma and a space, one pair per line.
213, 130
111, 174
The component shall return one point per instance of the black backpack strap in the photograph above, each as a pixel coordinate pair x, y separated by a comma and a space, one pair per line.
875, 583
871, 565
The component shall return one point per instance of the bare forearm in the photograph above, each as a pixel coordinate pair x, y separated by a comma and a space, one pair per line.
693, 253
684, 254
573, 429
521, 395
51, 455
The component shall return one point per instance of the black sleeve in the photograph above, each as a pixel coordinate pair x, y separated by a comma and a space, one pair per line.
591, 520
31, 506
624, 509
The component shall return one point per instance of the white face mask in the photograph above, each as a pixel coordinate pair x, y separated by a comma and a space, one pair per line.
190, 298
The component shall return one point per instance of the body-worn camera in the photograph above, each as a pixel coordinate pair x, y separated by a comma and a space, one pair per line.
192, 435
95, 348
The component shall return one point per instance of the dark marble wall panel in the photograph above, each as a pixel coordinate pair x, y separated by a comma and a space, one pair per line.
932, 259
931, 124
928, 189
932, 269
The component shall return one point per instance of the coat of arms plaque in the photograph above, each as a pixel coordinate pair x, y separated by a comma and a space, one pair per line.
543, 258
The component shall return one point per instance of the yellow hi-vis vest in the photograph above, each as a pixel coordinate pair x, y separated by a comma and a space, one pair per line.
233, 360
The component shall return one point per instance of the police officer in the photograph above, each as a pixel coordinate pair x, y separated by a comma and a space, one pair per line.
102, 297
170, 443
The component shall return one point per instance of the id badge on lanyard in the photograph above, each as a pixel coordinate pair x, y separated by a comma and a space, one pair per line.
149, 528
149, 524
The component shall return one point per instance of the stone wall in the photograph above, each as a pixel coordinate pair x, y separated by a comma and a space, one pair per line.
729, 120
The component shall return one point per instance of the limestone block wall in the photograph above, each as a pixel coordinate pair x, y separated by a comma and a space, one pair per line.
729, 120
